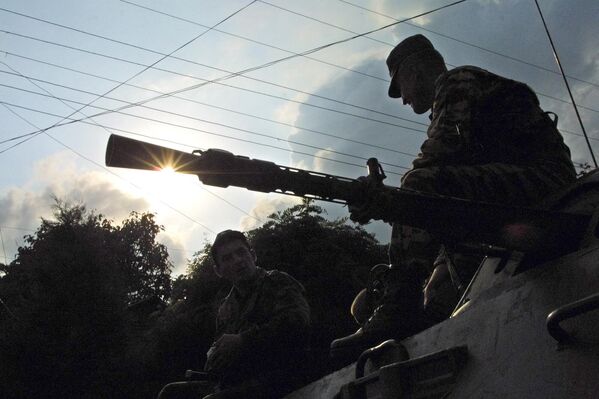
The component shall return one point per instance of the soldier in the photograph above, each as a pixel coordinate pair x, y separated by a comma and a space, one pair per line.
488, 140
261, 327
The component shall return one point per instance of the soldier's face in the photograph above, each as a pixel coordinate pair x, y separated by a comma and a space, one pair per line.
416, 88
235, 261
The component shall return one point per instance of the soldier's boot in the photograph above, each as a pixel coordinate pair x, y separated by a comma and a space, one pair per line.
399, 315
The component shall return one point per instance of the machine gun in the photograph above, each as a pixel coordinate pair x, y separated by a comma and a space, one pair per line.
543, 233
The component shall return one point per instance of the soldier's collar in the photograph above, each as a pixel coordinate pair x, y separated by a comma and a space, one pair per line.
248, 285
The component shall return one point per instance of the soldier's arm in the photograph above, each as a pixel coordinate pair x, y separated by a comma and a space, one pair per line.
450, 128
289, 321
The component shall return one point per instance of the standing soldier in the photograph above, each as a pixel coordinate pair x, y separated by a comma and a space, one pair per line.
488, 140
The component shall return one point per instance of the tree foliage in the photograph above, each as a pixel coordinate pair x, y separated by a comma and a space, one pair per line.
68, 290
80, 314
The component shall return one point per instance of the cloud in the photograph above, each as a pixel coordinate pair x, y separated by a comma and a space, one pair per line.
382, 135
58, 175
178, 254
265, 207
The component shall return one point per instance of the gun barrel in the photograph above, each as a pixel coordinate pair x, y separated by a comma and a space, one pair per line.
223, 169
123, 152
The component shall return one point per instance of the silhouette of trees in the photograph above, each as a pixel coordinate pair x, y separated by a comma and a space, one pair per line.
88, 308
68, 289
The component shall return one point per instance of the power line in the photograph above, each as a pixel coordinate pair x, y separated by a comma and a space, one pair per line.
94, 122
469, 44
3, 249
319, 132
559, 64
564, 131
198, 63
268, 64
195, 129
218, 82
189, 117
359, 72
138, 73
245, 38
324, 23
440, 34
222, 70
7, 106
224, 84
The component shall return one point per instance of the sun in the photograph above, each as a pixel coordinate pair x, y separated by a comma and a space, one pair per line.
168, 170
166, 185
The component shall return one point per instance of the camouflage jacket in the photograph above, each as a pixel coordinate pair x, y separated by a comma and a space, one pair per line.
272, 318
479, 117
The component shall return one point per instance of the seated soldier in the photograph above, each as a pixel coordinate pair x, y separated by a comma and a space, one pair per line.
488, 140
261, 327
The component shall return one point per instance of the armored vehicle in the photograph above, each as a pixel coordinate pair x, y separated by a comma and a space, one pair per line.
524, 328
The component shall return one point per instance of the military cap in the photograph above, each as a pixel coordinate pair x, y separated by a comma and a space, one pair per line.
402, 53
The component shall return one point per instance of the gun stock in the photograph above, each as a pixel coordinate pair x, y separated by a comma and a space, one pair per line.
544, 233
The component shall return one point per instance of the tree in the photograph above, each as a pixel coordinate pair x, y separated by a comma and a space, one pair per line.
69, 288
145, 262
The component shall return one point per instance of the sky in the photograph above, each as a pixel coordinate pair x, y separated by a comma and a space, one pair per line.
62, 62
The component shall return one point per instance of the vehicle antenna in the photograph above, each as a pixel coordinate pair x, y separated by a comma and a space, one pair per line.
559, 64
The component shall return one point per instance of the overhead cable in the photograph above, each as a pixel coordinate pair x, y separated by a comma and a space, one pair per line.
274, 62
194, 129
218, 82
559, 64
142, 71
386, 80
278, 85
188, 117
319, 132
468, 43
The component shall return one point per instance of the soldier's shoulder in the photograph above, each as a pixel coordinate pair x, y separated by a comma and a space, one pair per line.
465, 73
280, 278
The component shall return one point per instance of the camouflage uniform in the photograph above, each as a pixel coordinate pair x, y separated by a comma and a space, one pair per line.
272, 319
488, 141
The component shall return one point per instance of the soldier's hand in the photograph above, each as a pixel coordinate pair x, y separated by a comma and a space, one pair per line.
375, 204
224, 352
359, 213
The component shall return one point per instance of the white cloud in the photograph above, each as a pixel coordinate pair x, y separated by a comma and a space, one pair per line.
265, 207
58, 175
178, 254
